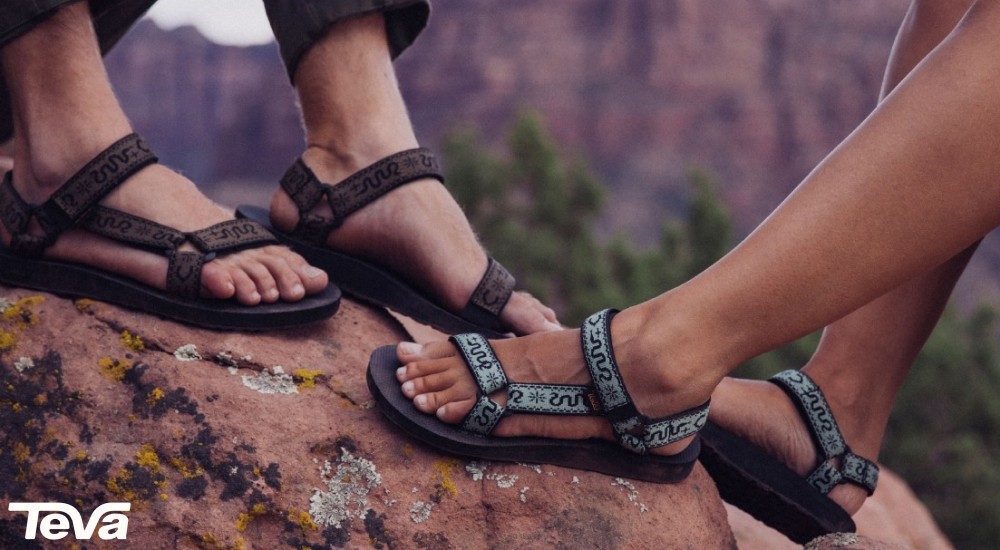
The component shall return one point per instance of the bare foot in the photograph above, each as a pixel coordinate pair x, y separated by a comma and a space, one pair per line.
761, 412
266, 274
407, 231
438, 382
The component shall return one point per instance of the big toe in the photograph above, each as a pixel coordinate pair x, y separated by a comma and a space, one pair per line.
525, 314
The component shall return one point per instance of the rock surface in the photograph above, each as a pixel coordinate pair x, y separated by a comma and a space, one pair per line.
229, 440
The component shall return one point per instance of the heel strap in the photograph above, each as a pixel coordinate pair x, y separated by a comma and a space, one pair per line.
634, 430
557, 399
74, 199
826, 435
357, 191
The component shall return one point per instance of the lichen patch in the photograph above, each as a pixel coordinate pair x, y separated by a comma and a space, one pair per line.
348, 483
274, 382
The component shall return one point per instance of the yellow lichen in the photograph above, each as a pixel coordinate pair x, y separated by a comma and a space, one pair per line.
7, 340
17, 407
243, 521
308, 377
147, 457
163, 496
186, 469
21, 313
407, 450
240, 544
114, 369
302, 519
132, 341
83, 304
80, 456
21, 452
258, 509
40, 399
154, 395
444, 469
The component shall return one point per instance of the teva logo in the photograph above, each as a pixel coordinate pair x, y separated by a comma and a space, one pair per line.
57, 519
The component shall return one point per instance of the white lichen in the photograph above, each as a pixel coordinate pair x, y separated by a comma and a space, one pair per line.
504, 481
226, 359
632, 495
421, 511
187, 352
268, 383
23, 364
536, 467
233, 370
476, 469
524, 494
348, 487
575, 480
4, 304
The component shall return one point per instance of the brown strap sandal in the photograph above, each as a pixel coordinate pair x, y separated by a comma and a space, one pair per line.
75, 205
365, 280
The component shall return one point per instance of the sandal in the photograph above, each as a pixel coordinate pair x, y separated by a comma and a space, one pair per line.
636, 433
363, 279
74, 205
754, 481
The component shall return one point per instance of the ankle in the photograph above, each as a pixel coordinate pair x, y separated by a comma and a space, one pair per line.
658, 357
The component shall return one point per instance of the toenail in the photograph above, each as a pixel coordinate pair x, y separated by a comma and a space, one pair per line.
312, 272
410, 348
272, 293
298, 290
421, 400
408, 389
401, 373
255, 296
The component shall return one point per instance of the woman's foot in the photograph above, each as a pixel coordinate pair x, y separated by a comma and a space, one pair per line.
252, 276
763, 413
438, 382
406, 232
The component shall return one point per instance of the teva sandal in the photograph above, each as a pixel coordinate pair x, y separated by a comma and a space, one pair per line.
365, 280
636, 433
74, 205
754, 481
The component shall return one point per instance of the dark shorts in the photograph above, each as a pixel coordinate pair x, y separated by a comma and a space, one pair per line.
296, 25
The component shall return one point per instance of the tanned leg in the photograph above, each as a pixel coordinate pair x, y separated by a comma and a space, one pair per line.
354, 116
65, 113
913, 187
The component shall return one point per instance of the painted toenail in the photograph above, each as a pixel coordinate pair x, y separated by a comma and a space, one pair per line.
410, 348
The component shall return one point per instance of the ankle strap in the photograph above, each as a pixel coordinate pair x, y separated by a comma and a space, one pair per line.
357, 191
829, 440
75, 198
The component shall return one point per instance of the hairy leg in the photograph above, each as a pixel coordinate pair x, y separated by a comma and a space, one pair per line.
354, 115
911, 188
65, 113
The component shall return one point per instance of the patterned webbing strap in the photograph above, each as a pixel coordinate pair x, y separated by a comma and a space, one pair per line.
184, 267
75, 198
809, 399
635, 431
490, 297
353, 193
561, 399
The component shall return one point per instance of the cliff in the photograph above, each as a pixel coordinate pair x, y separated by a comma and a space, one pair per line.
228, 440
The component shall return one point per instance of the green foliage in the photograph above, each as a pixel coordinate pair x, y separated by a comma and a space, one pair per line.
944, 435
536, 213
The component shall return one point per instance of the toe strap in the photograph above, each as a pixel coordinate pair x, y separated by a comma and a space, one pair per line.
826, 434
634, 430
490, 297
557, 399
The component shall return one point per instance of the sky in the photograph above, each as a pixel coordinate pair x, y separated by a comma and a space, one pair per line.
237, 22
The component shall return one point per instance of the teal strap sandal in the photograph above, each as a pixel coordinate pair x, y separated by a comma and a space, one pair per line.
636, 433
754, 481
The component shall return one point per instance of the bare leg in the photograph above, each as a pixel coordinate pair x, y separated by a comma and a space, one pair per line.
863, 358
65, 113
913, 187
354, 115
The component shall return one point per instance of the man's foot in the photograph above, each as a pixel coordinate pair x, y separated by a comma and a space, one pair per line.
266, 274
763, 414
406, 232
438, 382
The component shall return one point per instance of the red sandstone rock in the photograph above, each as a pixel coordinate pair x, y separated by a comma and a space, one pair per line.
210, 459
